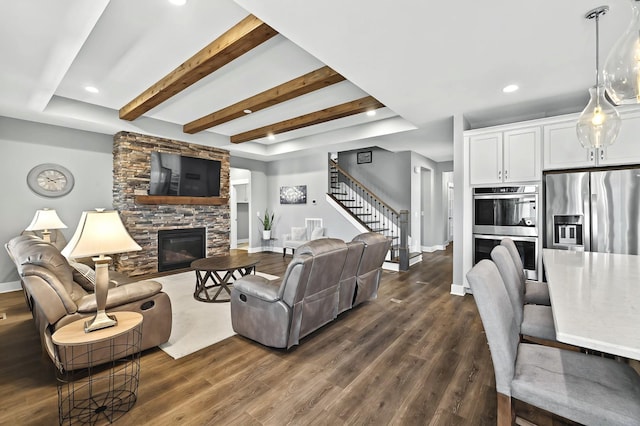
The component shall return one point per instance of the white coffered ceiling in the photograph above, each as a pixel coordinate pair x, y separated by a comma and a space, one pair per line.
424, 61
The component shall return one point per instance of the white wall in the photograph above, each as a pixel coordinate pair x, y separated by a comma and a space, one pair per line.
26, 144
462, 261
313, 172
428, 221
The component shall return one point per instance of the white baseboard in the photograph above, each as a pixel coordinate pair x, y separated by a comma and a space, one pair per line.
431, 249
265, 249
458, 290
10, 286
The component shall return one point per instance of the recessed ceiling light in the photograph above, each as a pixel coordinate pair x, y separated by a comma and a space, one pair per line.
272, 137
178, 2
91, 89
371, 113
510, 88
247, 111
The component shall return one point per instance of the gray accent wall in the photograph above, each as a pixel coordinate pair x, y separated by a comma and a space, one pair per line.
388, 175
312, 171
26, 144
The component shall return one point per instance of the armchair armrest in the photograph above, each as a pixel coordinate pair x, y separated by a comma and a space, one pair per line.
121, 295
258, 287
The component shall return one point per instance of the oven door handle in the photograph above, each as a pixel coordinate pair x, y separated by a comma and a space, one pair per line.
500, 237
524, 198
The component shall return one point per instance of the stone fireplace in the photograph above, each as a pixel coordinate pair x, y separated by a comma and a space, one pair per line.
131, 175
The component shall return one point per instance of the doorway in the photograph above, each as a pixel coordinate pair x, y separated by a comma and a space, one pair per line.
240, 200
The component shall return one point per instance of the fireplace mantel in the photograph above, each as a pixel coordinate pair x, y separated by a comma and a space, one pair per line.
177, 200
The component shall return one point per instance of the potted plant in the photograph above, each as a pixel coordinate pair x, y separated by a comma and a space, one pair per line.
267, 223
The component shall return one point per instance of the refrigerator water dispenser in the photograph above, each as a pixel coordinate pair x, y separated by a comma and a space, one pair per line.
568, 231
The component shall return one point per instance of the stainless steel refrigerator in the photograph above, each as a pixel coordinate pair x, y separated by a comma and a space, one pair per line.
593, 211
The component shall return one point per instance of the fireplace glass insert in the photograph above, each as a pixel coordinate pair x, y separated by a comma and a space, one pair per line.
177, 248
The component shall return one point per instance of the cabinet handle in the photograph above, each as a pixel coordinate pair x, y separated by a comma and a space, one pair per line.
591, 155
499, 174
506, 174
602, 153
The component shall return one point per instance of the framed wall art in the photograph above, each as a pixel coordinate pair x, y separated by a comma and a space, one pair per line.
364, 157
293, 194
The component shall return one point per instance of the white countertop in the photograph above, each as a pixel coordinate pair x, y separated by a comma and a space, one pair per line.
595, 299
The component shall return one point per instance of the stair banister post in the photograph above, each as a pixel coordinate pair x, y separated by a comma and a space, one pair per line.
404, 240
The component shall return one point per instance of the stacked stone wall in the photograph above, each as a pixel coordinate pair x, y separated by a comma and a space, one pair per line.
131, 176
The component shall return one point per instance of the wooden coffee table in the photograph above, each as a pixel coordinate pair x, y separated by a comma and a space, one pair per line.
234, 266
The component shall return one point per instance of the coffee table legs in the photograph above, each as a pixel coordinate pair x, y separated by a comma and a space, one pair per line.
202, 290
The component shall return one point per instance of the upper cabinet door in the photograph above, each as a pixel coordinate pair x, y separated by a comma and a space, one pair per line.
626, 148
521, 150
485, 159
562, 150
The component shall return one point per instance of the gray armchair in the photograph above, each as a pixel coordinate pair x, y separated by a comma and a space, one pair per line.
279, 313
376, 247
583, 388
535, 292
534, 320
58, 295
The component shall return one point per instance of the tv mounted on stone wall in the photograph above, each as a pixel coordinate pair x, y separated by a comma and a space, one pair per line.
174, 174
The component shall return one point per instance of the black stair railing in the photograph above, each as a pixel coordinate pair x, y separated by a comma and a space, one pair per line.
368, 209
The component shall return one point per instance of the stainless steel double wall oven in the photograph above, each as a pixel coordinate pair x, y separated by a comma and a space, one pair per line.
507, 211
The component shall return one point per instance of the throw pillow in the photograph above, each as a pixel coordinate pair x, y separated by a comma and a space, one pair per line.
317, 233
84, 275
298, 233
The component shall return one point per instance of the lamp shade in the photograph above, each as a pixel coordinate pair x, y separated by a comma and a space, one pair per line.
622, 69
98, 233
45, 219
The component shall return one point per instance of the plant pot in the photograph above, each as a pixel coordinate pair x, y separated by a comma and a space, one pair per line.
266, 235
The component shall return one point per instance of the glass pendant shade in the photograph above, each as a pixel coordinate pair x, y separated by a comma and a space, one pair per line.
599, 123
622, 69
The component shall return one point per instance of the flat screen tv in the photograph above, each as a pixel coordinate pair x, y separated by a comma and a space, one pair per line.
173, 174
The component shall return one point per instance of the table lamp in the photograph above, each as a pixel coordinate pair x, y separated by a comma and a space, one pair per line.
100, 232
45, 220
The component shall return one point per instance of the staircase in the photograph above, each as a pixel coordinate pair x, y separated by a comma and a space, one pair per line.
372, 213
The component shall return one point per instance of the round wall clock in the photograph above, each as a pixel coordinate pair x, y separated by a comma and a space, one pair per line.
50, 180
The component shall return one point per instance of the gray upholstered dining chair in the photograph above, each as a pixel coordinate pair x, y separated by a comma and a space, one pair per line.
583, 388
535, 292
535, 320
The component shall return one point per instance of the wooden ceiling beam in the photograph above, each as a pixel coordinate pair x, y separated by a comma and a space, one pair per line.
238, 40
332, 113
315, 80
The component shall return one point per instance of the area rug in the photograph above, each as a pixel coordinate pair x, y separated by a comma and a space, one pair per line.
195, 325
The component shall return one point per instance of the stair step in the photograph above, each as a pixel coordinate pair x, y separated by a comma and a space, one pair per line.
379, 229
363, 214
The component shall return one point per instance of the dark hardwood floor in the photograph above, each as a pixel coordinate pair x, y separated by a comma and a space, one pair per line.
416, 355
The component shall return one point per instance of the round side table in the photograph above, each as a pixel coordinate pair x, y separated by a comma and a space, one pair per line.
99, 371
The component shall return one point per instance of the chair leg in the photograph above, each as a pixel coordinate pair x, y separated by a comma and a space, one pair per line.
284, 251
506, 415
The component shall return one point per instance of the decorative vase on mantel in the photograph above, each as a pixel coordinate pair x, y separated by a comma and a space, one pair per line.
266, 234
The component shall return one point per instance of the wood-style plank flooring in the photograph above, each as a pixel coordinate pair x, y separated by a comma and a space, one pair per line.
415, 356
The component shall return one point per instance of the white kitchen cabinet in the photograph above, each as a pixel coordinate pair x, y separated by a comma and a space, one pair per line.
522, 155
626, 148
485, 159
505, 157
562, 150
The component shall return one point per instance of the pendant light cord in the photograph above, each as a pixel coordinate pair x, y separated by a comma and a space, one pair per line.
597, 51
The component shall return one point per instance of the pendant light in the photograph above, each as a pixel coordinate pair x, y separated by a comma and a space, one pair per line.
599, 123
622, 69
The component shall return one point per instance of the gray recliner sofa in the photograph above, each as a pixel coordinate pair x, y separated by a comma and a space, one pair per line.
320, 282
57, 296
